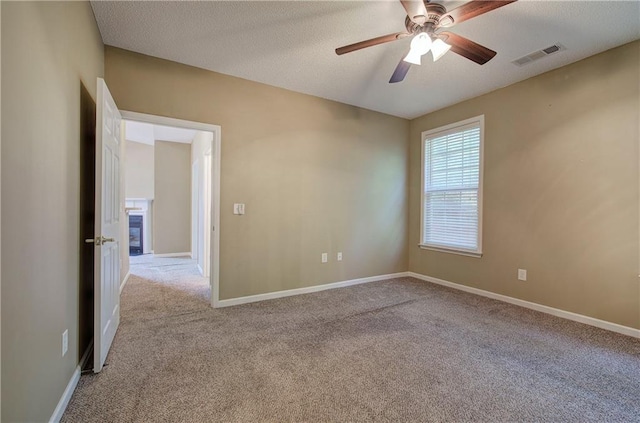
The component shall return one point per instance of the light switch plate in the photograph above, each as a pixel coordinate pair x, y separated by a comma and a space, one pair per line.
522, 275
238, 208
339, 257
325, 257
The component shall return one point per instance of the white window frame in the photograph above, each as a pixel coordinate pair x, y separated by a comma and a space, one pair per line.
430, 134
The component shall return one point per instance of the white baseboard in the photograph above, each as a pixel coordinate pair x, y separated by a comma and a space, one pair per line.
614, 327
187, 254
71, 386
66, 396
305, 290
124, 281
200, 270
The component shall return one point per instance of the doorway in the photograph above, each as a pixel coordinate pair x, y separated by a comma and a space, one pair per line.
163, 248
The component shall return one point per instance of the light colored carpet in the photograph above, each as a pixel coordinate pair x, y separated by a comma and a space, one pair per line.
397, 350
180, 273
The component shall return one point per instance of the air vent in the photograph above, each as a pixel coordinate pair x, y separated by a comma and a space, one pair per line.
531, 57
551, 49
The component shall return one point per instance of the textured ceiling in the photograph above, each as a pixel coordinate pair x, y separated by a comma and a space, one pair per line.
291, 44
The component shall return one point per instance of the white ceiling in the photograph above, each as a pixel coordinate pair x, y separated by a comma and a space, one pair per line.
147, 133
290, 44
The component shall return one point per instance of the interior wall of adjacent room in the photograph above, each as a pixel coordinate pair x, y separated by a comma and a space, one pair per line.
315, 175
48, 50
201, 145
172, 198
139, 168
560, 189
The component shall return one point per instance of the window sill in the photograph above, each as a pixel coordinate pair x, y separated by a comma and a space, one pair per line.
451, 251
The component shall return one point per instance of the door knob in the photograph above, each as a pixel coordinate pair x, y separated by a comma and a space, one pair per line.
99, 240
95, 240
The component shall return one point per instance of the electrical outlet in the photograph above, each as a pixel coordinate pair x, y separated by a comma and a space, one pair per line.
522, 275
339, 257
65, 342
325, 257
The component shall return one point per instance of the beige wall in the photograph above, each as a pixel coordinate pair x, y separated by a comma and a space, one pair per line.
316, 176
172, 203
48, 50
139, 169
560, 189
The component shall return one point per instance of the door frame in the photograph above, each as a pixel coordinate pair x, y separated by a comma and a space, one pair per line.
216, 148
195, 202
207, 216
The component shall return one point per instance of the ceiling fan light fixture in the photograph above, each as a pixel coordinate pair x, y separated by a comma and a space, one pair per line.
439, 48
413, 58
420, 46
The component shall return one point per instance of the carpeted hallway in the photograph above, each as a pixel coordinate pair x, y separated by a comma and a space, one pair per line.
398, 350
180, 273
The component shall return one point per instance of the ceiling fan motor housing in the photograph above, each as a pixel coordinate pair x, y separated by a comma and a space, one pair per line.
434, 12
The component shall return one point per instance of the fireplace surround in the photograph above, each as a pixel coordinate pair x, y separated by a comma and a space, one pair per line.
140, 223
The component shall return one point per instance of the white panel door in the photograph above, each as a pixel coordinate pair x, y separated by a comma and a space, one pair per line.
107, 225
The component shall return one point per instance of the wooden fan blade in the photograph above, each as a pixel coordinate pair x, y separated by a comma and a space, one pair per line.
467, 48
400, 72
415, 10
371, 42
472, 9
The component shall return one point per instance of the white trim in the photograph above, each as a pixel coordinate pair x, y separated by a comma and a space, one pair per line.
194, 208
214, 274
306, 290
602, 324
207, 217
452, 251
124, 281
167, 121
430, 133
66, 396
214, 241
185, 254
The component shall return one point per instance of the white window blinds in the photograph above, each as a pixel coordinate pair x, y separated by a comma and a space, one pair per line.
451, 187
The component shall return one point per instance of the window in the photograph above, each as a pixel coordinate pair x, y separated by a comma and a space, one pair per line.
452, 188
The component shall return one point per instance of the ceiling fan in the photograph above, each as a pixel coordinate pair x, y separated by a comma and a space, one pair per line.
425, 21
